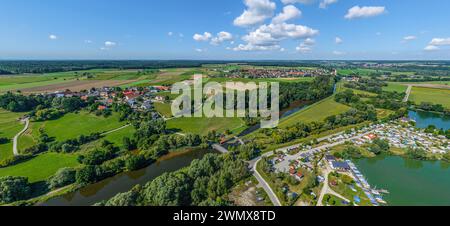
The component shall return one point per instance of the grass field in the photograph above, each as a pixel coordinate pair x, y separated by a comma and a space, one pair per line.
70, 126
395, 87
316, 112
41, 167
164, 109
436, 96
9, 127
117, 137
26, 82
202, 126
171, 76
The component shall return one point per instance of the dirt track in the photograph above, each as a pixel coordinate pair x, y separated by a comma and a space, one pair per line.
76, 86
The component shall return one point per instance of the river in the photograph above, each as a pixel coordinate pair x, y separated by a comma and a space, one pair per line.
410, 182
124, 182
424, 119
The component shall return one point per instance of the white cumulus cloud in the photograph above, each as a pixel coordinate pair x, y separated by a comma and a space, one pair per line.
364, 12
431, 48
338, 40
221, 37
440, 42
325, 3
53, 37
306, 46
268, 37
256, 13
286, 2
289, 12
202, 37
436, 43
110, 44
409, 38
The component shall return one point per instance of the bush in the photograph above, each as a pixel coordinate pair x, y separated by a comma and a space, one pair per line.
62, 178
14, 189
14, 160
4, 140
135, 162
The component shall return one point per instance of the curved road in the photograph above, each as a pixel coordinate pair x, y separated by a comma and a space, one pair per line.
273, 197
16, 138
327, 190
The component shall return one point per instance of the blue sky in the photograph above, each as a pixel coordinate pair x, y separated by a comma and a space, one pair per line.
226, 29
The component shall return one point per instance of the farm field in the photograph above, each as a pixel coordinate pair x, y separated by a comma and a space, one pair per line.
14, 83
70, 126
41, 167
74, 80
435, 96
9, 127
316, 112
203, 126
164, 109
76, 85
395, 87
171, 76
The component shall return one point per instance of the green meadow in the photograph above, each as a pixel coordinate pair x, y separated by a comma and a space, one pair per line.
40, 167
164, 109
202, 126
435, 96
395, 87
70, 126
316, 112
9, 127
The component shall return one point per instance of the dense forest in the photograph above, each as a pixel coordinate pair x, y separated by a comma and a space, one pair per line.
39, 67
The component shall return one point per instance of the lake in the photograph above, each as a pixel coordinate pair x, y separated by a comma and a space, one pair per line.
424, 119
124, 182
410, 182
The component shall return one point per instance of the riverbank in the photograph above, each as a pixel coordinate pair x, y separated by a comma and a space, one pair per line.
124, 182
76, 195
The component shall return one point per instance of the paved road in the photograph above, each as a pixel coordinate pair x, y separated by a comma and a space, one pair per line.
16, 138
408, 93
326, 188
273, 197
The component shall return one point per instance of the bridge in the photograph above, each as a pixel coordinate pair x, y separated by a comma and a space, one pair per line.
219, 148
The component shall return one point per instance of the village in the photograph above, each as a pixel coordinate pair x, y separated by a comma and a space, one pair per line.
276, 73
138, 98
